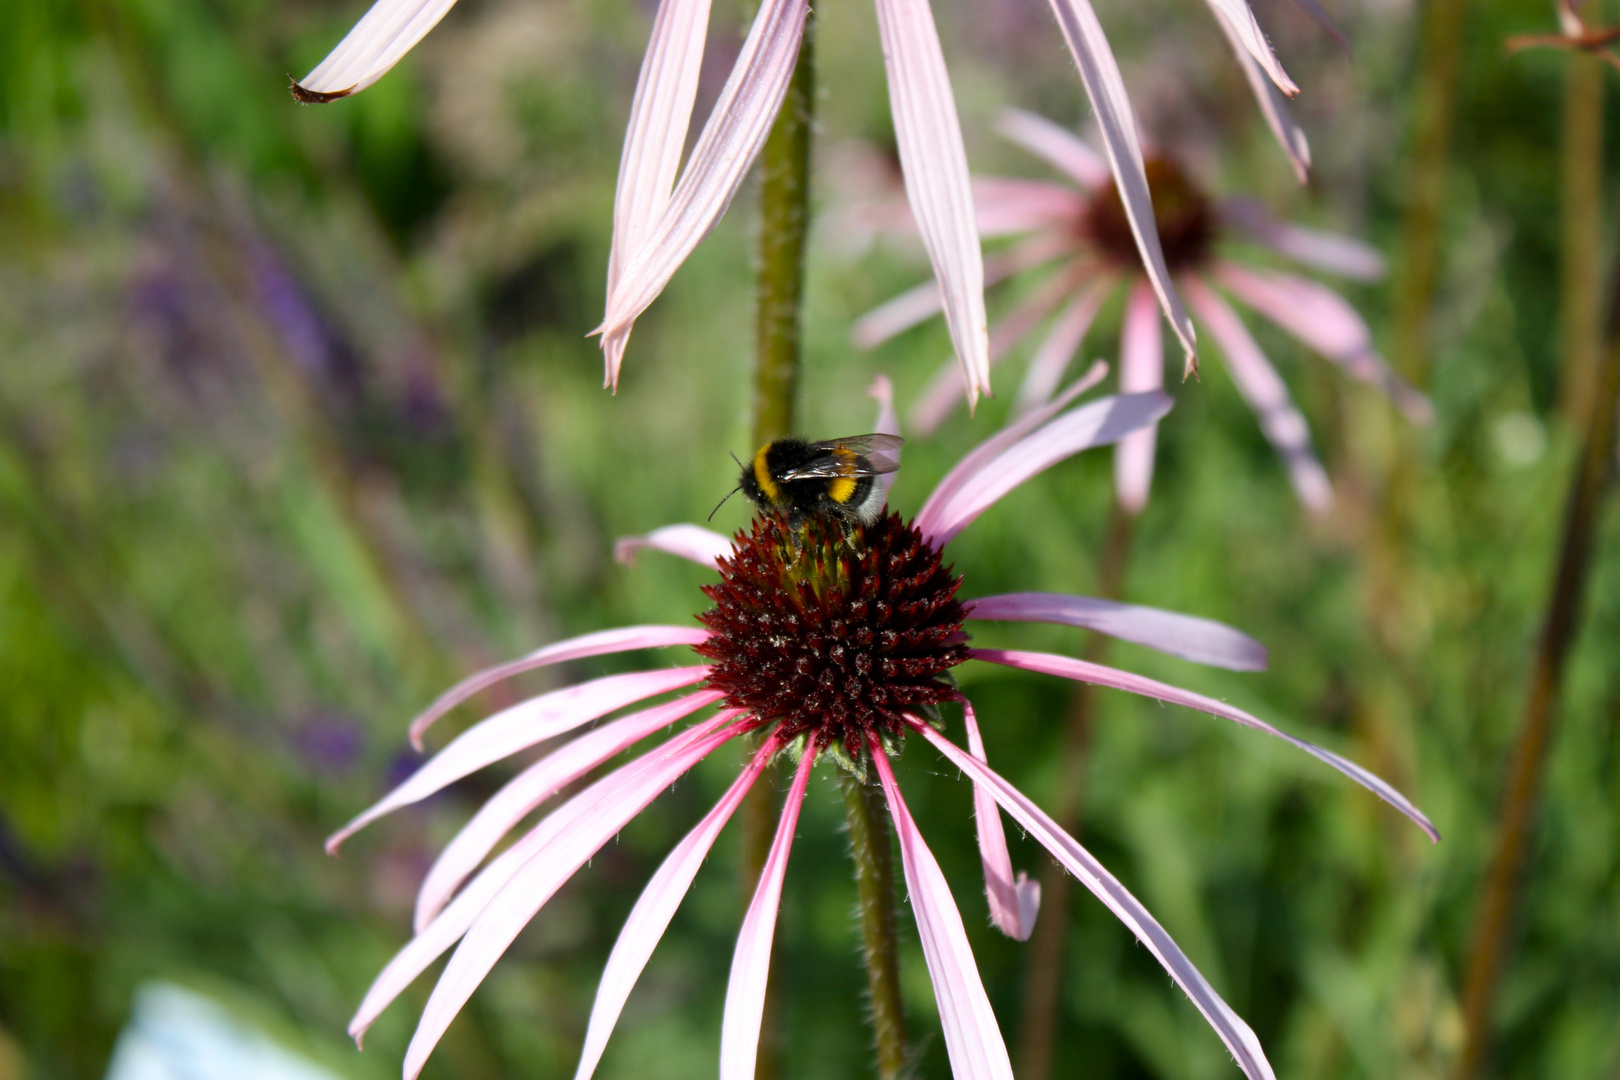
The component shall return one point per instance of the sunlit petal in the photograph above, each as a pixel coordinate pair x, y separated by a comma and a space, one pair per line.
1059, 146
1202, 641
1062, 341
1141, 368
1014, 901
703, 546
382, 36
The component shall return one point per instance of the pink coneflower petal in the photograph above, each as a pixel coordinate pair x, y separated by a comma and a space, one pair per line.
1141, 368
384, 34
1237, 1036
650, 917
1062, 341
1342, 255
1236, 18
1273, 106
751, 961
1203, 641
1055, 144
537, 880
1097, 424
972, 1037
703, 546
1005, 207
730, 141
1100, 73
1284, 426
887, 423
1081, 671
976, 459
1014, 901
533, 786
939, 399
623, 639
654, 138
522, 726
1322, 319
678, 754
922, 302
934, 162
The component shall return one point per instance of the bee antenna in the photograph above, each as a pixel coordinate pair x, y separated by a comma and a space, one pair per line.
722, 502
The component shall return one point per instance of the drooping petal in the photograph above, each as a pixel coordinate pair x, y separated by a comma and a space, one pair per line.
1237, 1036
622, 639
976, 459
655, 137
1141, 368
1014, 900
519, 727
1284, 426
533, 883
1097, 424
663, 763
1203, 641
1100, 74
1341, 255
972, 1037
1062, 341
1273, 106
887, 423
650, 917
703, 546
730, 141
934, 162
1006, 207
1056, 145
533, 786
1324, 321
1065, 667
751, 962
923, 302
1239, 21
382, 36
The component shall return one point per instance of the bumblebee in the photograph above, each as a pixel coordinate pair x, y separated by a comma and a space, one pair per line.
795, 478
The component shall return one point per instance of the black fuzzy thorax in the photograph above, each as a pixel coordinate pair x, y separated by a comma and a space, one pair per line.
799, 499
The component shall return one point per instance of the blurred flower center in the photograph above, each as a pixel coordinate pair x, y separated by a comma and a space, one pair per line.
832, 631
1184, 216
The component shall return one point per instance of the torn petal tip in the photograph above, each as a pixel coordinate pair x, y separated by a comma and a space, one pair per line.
306, 96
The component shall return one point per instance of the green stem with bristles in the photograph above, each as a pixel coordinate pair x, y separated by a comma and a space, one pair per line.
874, 886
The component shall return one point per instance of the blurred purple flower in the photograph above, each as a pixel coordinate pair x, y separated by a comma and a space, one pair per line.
830, 642
327, 741
1082, 236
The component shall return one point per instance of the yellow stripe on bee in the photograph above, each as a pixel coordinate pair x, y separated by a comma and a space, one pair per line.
762, 474
842, 489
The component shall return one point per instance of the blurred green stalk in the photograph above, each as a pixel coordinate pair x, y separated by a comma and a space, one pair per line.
1580, 300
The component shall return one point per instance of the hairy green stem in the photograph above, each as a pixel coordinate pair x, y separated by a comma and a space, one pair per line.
874, 886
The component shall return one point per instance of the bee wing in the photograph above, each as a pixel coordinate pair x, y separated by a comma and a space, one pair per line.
875, 455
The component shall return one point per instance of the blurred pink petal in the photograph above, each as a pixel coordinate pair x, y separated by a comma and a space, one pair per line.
519, 727
935, 166
1100, 73
1342, 255
533, 786
1237, 1036
1081, 671
888, 423
1097, 424
973, 1040
751, 960
648, 920
622, 639
730, 141
1267, 395
1273, 106
454, 920
1057, 349
384, 34
538, 879
1005, 206
654, 138
1056, 144
1202, 641
1236, 18
1014, 901
1141, 368
1322, 319
702, 546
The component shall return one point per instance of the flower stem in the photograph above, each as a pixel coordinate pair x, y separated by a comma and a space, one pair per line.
1580, 276
874, 886
1043, 973
1499, 899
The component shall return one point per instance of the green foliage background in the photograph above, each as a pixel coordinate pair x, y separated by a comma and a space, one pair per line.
298, 423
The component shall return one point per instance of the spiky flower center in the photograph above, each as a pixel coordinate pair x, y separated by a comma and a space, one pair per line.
832, 631
1184, 217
